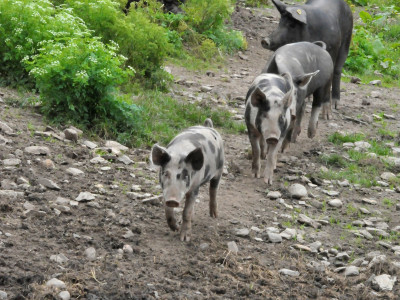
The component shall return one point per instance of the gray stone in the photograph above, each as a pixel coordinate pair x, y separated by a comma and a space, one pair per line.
11, 194
342, 256
298, 191
37, 150
206, 88
89, 144
29, 206
376, 94
274, 194
393, 160
369, 201
315, 247
244, 232
59, 258
382, 183
303, 219
74, 171
288, 272
365, 211
274, 237
348, 145
127, 248
85, 196
362, 145
71, 134
56, 283
377, 232
3, 295
376, 82
64, 295
351, 271
11, 162
155, 200
90, 254
49, 184
8, 184
98, 160
302, 247
5, 128
331, 193
116, 145
383, 282
387, 175
335, 203
366, 234
204, 246
232, 247
125, 159
344, 183
288, 233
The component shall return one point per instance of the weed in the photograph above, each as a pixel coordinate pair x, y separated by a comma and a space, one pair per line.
388, 202
338, 138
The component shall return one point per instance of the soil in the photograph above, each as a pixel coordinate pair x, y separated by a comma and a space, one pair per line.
160, 266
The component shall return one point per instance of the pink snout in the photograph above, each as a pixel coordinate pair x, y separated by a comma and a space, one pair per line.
172, 203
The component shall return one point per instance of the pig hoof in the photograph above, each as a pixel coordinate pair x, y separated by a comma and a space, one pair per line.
185, 236
311, 133
268, 180
173, 227
213, 213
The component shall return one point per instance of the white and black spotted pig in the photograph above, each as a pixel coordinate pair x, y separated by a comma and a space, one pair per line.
193, 158
269, 106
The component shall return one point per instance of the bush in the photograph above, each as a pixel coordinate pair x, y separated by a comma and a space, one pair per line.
77, 78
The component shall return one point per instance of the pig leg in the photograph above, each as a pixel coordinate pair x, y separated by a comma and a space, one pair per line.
169, 213
312, 126
254, 137
271, 164
264, 148
186, 229
297, 123
214, 182
326, 105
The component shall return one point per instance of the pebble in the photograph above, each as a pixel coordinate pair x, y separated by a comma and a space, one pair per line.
5, 128
127, 248
85, 196
3, 295
274, 237
302, 247
387, 175
90, 254
204, 246
331, 193
376, 82
49, 184
362, 145
48, 164
37, 150
64, 295
288, 233
59, 258
366, 234
74, 171
125, 159
232, 247
376, 94
244, 232
206, 88
365, 211
98, 160
335, 203
383, 282
288, 272
54, 282
71, 134
89, 144
352, 271
369, 201
298, 191
116, 145
11, 162
11, 194
303, 219
274, 195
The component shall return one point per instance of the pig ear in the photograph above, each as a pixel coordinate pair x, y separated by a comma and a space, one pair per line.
297, 13
159, 155
258, 98
195, 158
304, 80
279, 5
287, 100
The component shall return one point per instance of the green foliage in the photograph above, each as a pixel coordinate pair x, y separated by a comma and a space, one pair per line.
338, 138
375, 45
77, 80
256, 3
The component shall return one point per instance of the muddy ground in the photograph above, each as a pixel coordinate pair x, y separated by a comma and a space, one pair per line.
138, 257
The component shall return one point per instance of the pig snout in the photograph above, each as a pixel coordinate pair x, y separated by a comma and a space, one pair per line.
272, 141
172, 202
266, 43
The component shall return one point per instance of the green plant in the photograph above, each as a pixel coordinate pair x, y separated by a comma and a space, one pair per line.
339, 138
388, 202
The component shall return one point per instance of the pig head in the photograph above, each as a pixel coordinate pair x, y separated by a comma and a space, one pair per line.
330, 21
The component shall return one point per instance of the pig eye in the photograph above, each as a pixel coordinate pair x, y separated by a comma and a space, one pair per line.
166, 174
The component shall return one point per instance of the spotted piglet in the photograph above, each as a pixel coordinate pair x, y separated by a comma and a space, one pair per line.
269, 107
193, 158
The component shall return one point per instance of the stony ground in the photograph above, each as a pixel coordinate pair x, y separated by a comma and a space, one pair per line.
82, 219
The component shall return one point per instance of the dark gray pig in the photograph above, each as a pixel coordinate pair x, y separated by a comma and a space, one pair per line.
193, 158
267, 116
330, 21
311, 68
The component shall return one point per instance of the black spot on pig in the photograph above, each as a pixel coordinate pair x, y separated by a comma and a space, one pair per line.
207, 171
219, 161
212, 147
214, 182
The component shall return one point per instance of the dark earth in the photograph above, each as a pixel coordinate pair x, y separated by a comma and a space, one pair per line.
138, 257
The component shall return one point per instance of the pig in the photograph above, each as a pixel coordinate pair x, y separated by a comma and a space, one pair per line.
311, 69
193, 158
267, 116
330, 21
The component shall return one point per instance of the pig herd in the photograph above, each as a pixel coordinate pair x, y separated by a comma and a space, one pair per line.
311, 45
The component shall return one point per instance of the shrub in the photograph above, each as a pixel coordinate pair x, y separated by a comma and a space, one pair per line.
77, 78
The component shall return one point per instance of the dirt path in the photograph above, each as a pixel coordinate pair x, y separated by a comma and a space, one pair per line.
138, 257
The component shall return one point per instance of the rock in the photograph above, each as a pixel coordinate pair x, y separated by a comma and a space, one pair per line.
37, 150
369, 201
48, 164
206, 88
383, 282
155, 200
362, 145
344, 183
11, 194
8, 184
232, 247
331, 193
85, 196
274, 237
387, 175
64, 295
89, 144
116, 145
375, 82
59, 258
348, 145
315, 247
128, 234
127, 248
393, 160
74, 172
3, 295
288, 272
54, 282
98, 160
274, 195
335, 203
11, 162
204, 246
5, 128
366, 234
29, 206
125, 159
355, 80
90, 254
342, 256
365, 211
377, 232
244, 232
49, 184
71, 134
303, 219
288, 233
351, 271
298, 191
376, 94
302, 247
